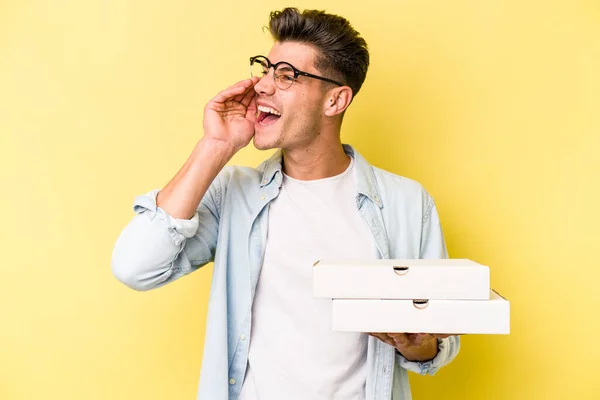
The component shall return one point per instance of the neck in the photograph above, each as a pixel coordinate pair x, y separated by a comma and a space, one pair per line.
315, 162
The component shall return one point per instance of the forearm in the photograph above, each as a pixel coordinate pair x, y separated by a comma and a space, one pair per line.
181, 196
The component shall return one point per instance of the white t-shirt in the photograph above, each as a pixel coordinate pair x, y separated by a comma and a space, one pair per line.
294, 354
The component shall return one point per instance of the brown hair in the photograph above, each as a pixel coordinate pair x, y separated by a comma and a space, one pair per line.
342, 53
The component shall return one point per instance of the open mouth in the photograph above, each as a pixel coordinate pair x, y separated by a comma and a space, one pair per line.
267, 115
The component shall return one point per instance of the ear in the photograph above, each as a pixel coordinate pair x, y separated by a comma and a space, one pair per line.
338, 100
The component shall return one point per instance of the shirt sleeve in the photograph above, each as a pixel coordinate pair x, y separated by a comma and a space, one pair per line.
447, 351
155, 248
433, 246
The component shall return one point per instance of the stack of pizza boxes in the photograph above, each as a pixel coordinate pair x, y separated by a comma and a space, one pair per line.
443, 296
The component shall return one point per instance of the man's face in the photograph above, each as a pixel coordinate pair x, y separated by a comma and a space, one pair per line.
300, 106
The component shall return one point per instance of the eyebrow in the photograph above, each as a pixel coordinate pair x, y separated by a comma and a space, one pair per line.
284, 67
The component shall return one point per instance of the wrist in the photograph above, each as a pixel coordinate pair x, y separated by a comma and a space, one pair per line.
216, 149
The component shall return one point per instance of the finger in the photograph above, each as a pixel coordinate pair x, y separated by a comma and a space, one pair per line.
249, 91
399, 338
228, 94
422, 336
377, 335
248, 96
384, 338
414, 338
421, 339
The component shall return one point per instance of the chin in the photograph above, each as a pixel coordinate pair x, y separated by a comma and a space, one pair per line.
262, 143
262, 146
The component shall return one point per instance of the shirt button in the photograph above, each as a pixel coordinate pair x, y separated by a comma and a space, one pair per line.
232, 381
262, 197
243, 337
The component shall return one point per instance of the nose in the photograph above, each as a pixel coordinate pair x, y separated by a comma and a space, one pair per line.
266, 85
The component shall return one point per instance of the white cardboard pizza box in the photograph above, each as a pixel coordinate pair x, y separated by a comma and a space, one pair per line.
423, 316
455, 279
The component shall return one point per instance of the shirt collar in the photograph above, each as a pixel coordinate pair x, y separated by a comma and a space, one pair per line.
365, 176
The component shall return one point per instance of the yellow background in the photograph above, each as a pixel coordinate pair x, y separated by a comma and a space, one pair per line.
492, 105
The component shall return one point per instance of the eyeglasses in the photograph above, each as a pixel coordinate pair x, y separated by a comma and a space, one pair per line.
284, 74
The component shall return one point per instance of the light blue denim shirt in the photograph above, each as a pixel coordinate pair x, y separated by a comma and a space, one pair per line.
230, 228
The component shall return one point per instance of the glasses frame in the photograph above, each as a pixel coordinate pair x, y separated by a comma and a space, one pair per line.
297, 72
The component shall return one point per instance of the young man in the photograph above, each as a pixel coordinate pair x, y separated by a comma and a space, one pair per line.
266, 337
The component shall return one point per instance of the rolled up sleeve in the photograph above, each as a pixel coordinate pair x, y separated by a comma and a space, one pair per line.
155, 248
447, 351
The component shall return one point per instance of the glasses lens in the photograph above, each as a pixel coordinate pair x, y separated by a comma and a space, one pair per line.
259, 67
284, 76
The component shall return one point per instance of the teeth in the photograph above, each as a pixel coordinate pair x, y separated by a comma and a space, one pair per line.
269, 110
